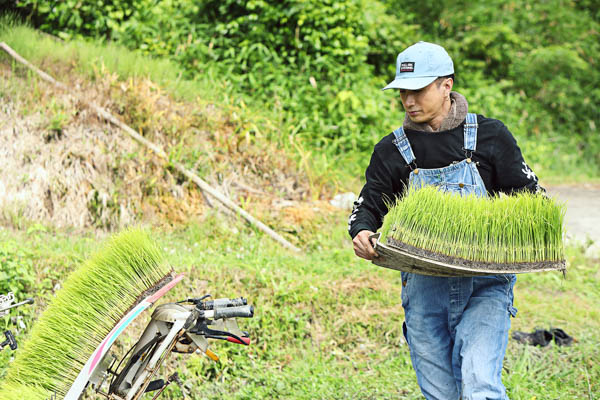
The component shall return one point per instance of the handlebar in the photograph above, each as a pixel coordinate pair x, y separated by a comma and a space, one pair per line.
245, 311
222, 303
26, 301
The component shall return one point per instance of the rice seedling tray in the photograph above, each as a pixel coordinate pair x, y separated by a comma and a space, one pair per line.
400, 256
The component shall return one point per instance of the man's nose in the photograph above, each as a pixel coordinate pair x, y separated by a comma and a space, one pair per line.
409, 99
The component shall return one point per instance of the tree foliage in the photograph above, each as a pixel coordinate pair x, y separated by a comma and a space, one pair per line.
319, 64
68, 17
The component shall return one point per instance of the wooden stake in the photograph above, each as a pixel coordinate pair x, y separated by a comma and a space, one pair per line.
205, 187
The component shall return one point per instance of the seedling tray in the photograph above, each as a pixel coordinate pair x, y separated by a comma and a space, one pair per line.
402, 257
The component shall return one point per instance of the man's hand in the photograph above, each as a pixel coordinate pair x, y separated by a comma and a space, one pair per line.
363, 246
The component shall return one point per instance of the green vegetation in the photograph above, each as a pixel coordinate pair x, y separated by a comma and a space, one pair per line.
91, 59
303, 78
328, 325
317, 66
94, 298
522, 227
16, 270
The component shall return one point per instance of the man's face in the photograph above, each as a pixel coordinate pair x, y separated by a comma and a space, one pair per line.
427, 104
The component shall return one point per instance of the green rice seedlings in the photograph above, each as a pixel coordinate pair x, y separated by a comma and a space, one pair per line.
520, 228
92, 301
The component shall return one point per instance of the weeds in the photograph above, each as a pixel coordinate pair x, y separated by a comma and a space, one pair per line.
58, 120
16, 270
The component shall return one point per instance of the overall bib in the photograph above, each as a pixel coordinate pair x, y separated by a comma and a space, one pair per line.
456, 327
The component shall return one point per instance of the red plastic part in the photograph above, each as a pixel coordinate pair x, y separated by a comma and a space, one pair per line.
245, 340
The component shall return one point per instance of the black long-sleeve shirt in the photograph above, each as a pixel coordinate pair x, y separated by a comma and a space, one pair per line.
499, 161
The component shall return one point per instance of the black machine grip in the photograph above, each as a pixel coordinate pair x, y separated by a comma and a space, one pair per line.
10, 341
155, 385
233, 312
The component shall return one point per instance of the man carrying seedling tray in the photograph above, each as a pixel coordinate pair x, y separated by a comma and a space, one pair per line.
456, 327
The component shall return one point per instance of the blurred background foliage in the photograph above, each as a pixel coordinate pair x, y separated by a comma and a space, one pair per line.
318, 65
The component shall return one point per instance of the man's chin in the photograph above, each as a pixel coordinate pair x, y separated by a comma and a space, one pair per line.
417, 119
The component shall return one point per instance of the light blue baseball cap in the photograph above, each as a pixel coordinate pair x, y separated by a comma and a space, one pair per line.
419, 65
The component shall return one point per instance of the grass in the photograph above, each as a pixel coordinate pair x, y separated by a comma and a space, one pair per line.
328, 325
93, 299
519, 228
89, 57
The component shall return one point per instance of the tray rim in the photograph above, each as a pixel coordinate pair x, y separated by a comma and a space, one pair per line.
434, 267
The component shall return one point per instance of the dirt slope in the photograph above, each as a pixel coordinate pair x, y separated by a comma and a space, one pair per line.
62, 165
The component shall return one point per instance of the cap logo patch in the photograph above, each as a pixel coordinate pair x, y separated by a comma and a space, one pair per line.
407, 67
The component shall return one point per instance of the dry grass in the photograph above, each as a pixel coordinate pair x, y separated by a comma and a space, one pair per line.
63, 166
53, 170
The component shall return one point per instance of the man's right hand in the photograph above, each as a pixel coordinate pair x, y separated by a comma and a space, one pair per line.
363, 247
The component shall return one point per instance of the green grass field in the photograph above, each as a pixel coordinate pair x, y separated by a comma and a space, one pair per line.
328, 325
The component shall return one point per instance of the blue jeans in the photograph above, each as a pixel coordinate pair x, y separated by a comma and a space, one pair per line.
457, 331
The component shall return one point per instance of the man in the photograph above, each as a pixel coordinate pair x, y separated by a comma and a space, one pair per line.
456, 328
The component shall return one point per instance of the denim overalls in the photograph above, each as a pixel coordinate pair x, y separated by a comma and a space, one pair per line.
456, 328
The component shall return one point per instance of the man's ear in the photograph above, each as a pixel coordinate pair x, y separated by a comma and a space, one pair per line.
448, 84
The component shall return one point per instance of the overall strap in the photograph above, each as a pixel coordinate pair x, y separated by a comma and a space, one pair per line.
401, 142
470, 134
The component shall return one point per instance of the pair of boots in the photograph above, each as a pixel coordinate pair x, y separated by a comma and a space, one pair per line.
542, 337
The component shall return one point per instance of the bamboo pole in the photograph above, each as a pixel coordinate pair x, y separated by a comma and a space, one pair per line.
204, 186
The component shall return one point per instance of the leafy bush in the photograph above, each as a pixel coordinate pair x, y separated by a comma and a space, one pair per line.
16, 270
90, 18
317, 36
